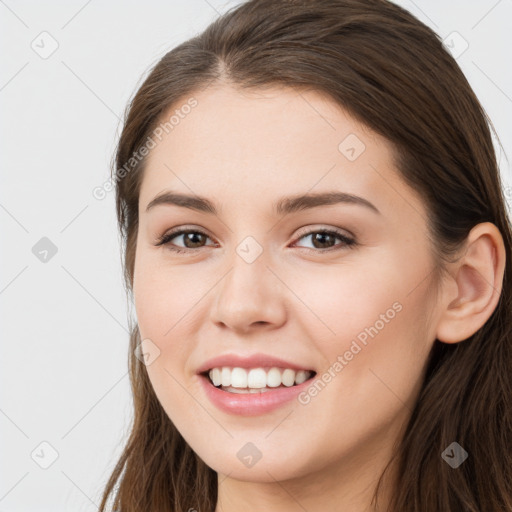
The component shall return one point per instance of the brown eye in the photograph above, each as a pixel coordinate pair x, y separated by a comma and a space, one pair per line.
325, 239
192, 239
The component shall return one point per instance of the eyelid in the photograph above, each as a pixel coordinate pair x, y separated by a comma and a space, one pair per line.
312, 228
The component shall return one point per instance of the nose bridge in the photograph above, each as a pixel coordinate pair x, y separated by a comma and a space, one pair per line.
248, 278
249, 292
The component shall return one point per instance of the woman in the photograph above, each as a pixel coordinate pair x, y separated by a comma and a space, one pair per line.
318, 248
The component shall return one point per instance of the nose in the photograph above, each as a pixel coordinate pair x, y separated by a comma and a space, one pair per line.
250, 296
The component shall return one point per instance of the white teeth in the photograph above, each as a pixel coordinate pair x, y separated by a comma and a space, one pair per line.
216, 377
274, 378
302, 376
288, 377
239, 378
225, 377
256, 379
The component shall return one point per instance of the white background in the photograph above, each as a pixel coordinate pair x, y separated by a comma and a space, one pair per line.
63, 361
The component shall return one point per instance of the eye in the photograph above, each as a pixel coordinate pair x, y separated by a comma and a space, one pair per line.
195, 237
186, 233
322, 237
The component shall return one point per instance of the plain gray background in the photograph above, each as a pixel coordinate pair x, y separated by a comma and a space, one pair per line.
63, 359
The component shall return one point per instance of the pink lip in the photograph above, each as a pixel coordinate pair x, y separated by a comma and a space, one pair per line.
250, 404
254, 361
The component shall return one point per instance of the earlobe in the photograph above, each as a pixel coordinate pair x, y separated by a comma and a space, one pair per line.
476, 282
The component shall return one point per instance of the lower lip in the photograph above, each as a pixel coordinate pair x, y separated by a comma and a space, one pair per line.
251, 404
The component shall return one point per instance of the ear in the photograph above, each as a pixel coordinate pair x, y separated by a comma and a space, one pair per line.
474, 286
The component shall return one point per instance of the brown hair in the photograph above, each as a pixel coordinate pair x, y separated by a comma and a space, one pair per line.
392, 73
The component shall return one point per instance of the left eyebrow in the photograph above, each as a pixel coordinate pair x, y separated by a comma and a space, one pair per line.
282, 206
300, 202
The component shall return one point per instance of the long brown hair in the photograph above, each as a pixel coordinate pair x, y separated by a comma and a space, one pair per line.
392, 73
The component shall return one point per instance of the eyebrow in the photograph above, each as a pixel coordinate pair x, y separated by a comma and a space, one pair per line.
282, 206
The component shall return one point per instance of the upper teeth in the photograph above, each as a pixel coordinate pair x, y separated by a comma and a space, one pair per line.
257, 377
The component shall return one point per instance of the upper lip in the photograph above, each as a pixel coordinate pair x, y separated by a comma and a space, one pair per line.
253, 361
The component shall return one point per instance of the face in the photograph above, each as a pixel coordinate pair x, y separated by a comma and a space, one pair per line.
341, 288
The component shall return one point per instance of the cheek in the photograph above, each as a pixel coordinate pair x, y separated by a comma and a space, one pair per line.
163, 302
371, 325
369, 290
345, 299
167, 303
164, 297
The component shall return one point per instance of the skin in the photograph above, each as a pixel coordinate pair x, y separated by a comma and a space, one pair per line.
297, 301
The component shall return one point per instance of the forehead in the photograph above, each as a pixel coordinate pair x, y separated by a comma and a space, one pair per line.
249, 147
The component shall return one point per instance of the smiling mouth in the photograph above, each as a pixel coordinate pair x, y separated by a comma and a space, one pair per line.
256, 380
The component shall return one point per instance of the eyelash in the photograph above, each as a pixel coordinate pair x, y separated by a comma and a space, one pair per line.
348, 243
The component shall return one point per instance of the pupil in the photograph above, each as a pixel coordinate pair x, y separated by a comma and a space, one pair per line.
322, 235
188, 235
